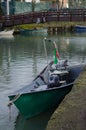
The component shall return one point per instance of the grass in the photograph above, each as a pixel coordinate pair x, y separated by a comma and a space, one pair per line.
48, 24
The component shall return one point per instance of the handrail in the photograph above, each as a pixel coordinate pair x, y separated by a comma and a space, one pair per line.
31, 17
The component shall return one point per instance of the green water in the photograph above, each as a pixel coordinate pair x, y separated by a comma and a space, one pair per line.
21, 59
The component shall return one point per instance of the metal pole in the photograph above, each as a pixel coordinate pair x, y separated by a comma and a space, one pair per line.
7, 7
45, 49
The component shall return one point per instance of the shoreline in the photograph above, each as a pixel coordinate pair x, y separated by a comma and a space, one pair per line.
59, 27
71, 113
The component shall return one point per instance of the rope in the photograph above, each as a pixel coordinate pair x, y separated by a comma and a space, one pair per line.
13, 100
11, 103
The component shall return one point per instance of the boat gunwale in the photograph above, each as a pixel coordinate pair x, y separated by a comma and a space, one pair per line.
47, 89
33, 90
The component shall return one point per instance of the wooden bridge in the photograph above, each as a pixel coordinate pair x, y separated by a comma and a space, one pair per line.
40, 17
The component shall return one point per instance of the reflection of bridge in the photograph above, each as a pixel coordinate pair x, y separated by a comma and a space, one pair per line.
79, 15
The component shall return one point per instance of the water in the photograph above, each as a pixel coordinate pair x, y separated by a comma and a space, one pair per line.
21, 59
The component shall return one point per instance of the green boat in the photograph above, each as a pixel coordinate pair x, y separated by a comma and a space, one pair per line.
47, 90
41, 95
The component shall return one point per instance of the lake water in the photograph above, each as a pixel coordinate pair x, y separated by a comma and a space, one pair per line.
21, 59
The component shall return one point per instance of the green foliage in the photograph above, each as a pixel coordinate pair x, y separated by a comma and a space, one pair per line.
77, 3
0, 10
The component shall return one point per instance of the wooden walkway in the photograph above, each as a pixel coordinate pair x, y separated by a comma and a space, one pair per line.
40, 17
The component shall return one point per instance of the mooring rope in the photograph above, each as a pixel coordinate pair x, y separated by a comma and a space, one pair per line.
13, 100
11, 103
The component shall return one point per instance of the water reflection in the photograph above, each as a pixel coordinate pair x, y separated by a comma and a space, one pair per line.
7, 37
37, 123
21, 59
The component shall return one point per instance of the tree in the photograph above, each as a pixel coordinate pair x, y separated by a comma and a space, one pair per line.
77, 3
0, 10
60, 4
33, 5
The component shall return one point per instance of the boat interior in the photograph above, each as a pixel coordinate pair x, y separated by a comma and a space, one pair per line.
52, 78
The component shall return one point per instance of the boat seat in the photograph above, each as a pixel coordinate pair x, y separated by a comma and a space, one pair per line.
62, 81
38, 82
42, 87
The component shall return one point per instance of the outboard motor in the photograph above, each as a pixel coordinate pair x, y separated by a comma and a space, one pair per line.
53, 81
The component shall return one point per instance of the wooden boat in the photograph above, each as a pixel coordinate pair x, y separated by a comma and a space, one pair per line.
6, 33
79, 28
47, 89
33, 31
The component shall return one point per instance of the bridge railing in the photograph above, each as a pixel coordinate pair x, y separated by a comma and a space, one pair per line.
48, 16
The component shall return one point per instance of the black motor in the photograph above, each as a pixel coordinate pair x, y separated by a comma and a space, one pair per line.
53, 81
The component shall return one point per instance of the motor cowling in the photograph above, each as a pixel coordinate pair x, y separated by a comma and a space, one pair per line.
53, 80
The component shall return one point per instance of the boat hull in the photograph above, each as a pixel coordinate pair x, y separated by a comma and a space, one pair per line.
80, 29
32, 104
38, 97
6, 33
33, 32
